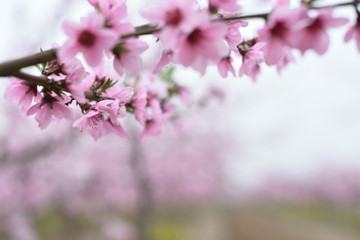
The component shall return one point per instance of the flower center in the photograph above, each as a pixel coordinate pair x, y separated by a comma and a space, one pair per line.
317, 25
279, 30
173, 17
87, 38
96, 120
195, 37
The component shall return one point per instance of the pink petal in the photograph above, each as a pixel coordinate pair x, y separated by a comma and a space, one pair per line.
43, 117
93, 56
163, 61
61, 111
34, 109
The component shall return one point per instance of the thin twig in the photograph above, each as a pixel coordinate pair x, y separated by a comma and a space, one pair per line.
39, 80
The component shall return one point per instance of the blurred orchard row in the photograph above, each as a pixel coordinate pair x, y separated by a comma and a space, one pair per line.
58, 184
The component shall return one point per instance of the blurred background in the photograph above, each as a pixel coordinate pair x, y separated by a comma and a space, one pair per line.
275, 159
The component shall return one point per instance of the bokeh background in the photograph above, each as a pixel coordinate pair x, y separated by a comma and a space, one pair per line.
275, 159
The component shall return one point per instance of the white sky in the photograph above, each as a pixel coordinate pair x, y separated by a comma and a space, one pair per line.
307, 118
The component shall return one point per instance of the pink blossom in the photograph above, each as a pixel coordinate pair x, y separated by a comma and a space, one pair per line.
251, 60
98, 121
173, 14
225, 66
229, 6
278, 32
97, 78
354, 32
114, 11
287, 58
189, 33
233, 35
174, 18
312, 32
75, 74
49, 108
164, 60
122, 94
106, 71
90, 38
279, 3
117, 107
75, 71
106, 4
93, 122
115, 129
202, 46
139, 104
154, 119
103, 117
127, 56
22, 92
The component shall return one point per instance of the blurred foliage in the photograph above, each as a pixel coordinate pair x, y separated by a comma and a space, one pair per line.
167, 229
271, 221
167, 74
54, 224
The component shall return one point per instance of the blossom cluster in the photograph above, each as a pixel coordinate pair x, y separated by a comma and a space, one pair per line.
189, 35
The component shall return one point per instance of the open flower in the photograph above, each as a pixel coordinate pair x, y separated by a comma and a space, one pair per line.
201, 46
97, 121
252, 57
22, 92
312, 32
174, 18
90, 38
103, 117
278, 32
233, 35
114, 11
227, 6
127, 56
48, 108
173, 14
225, 66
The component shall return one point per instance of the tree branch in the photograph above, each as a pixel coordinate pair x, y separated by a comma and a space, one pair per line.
143, 187
11, 68
142, 30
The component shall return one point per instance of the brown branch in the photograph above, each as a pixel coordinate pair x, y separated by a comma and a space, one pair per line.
142, 30
143, 186
243, 17
11, 68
